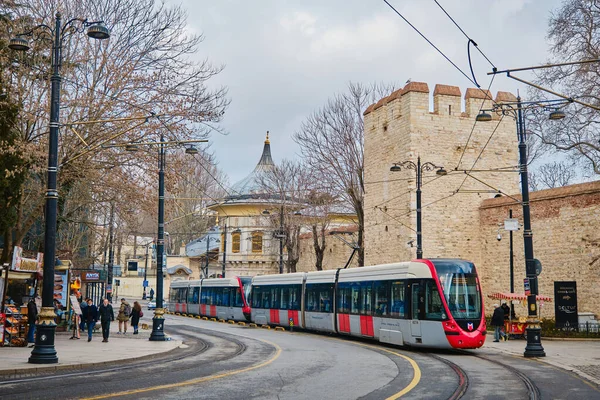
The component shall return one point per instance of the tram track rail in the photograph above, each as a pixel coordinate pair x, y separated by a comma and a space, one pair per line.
463, 377
199, 347
532, 389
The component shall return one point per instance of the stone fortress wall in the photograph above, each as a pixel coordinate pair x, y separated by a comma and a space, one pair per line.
566, 240
401, 127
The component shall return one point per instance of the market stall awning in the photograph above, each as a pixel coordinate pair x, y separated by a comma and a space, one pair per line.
516, 296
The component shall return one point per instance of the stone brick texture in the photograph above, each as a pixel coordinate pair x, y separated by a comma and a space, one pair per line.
403, 128
566, 240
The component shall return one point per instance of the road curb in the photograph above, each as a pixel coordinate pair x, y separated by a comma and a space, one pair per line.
20, 372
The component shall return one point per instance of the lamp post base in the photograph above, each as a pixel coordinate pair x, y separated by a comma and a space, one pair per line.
534, 340
158, 326
44, 351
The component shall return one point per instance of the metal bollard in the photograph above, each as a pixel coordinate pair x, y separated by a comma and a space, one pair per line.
291, 324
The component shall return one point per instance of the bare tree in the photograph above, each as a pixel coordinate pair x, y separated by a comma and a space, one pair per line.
552, 175
332, 142
284, 186
574, 35
146, 70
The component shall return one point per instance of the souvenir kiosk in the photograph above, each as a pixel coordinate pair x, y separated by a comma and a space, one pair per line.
515, 327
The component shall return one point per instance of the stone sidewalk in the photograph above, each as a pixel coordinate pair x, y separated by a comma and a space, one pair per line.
581, 356
75, 353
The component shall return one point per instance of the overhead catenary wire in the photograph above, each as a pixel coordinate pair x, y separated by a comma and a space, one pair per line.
431, 43
482, 150
464, 33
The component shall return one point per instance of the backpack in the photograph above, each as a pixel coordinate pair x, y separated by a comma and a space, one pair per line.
127, 310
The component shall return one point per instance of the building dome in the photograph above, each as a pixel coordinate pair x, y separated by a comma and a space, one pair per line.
250, 188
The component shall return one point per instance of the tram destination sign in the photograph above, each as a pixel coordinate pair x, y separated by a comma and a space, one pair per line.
565, 305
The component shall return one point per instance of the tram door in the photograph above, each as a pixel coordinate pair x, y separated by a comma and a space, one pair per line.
416, 307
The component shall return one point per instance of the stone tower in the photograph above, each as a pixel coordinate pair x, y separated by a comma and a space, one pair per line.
401, 127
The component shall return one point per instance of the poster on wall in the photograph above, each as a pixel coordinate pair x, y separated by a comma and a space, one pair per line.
565, 306
61, 287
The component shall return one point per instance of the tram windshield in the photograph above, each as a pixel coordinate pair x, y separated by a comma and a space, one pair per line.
246, 285
461, 291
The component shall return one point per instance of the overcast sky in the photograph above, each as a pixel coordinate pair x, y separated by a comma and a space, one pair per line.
284, 59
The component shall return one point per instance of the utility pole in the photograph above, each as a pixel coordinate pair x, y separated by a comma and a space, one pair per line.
224, 249
111, 254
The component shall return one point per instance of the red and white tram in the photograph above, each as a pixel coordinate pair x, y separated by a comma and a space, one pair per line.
423, 303
434, 303
219, 298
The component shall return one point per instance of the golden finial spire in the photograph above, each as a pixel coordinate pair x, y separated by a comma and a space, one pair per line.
267, 139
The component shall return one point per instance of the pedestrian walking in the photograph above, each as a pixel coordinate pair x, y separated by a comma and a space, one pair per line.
123, 317
31, 320
89, 314
498, 323
106, 316
151, 293
136, 314
83, 322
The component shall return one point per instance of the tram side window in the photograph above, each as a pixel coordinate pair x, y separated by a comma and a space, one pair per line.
275, 296
382, 304
366, 297
397, 299
294, 294
238, 298
225, 297
433, 302
173, 295
193, 295
181, 295
344, 298
256, 297
319, 297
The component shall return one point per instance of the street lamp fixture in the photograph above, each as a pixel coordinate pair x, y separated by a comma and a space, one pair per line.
419, 168
516, 110
483, 117
131, 147
44, 351
556, 115
191, 149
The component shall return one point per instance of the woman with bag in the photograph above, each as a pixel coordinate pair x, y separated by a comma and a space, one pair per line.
136, 314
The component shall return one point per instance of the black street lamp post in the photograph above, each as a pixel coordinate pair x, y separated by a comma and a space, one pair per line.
419, 171
158, 321
515, 110
111, 255
44, 351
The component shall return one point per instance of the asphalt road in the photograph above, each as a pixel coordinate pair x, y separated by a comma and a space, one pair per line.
223, 361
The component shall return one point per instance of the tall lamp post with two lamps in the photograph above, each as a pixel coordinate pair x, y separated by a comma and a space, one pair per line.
516, 110
44, 351
158, 321
419, 169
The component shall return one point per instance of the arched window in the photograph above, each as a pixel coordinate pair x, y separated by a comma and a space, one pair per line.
235, 242
257, 242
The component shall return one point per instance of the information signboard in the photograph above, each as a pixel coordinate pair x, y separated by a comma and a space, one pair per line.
565, 305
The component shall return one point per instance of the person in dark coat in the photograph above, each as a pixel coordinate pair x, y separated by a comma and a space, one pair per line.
498, 323
136, 314
506, 310
31, 320
106, 316
151, 293
90, 316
